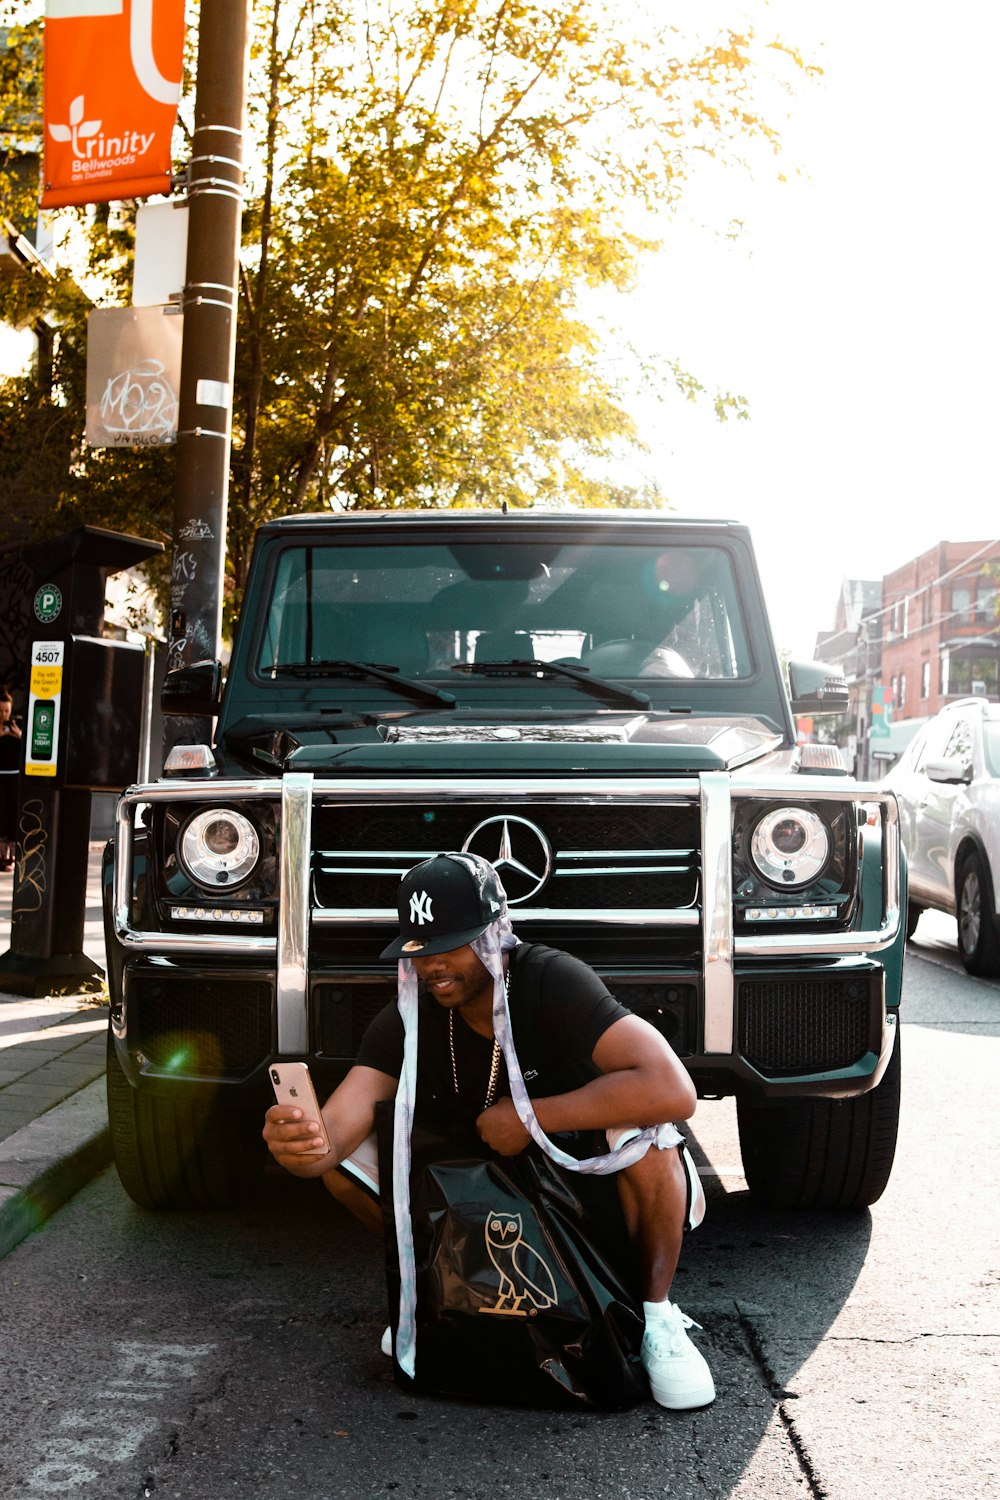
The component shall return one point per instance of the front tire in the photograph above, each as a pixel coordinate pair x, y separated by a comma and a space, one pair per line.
823, 1153
978, 942
180, 1153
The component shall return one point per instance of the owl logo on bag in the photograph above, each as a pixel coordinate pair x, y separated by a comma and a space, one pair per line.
524, 1276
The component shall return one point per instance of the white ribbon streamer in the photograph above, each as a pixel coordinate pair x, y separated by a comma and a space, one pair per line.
497, 939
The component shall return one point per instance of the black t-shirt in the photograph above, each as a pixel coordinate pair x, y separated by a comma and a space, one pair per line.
559, 1010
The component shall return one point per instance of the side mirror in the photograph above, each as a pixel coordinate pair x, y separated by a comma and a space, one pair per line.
817, 688
950, 771
194, 691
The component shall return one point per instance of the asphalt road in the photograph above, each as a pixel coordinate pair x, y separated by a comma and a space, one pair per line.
194, 1357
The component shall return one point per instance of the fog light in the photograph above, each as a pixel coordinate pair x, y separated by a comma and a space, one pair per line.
251, 915
791, 913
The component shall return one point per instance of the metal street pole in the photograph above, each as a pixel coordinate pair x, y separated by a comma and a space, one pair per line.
215, 193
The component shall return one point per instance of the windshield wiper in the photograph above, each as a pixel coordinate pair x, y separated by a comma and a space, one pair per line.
611, 692
377, 670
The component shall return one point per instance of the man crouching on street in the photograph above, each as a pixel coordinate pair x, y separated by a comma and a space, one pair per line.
589, 1066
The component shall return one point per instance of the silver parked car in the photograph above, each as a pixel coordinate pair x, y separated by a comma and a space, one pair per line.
947, 784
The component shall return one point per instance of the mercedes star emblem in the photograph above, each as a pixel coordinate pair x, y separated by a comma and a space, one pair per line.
518, 851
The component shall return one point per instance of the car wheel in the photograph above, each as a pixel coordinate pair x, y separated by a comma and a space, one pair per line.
174, 1153
913, 915
978, 943
822, 1153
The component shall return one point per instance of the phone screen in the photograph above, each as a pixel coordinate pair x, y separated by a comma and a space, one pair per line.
42, 725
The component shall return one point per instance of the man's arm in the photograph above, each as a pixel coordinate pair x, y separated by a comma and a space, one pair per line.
642, 1083
349, 1116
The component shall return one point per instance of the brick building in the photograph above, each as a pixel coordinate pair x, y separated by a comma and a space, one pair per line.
941, 630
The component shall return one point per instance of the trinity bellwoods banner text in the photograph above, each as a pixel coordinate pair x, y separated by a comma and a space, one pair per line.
112, 83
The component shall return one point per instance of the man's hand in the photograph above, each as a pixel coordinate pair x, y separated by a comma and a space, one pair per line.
349, 1116
501, 1130
294, 1142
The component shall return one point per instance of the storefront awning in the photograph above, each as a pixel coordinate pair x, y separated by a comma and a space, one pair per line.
892, 745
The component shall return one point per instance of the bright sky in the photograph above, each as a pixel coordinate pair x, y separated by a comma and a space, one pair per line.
859, 312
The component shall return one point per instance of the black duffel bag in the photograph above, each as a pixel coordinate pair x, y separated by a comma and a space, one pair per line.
526, 1290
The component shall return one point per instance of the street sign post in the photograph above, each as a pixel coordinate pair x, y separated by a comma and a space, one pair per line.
215, 194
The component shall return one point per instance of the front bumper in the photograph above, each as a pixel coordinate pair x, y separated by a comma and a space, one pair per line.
306, 991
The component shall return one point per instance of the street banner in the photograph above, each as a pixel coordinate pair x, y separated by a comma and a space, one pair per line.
113, 71
881, 712
133, 376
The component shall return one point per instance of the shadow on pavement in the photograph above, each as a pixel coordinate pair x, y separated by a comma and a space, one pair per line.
292, 1296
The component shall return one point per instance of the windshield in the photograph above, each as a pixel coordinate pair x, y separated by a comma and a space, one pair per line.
616, 610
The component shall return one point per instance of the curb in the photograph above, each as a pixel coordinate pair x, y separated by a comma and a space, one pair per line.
46, 1162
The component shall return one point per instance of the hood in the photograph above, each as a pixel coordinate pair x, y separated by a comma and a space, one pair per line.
616, 745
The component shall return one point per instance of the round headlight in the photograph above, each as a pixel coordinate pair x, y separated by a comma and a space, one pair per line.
219, 847
790, 846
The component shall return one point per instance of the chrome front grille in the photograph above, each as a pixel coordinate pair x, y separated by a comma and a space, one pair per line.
576, 858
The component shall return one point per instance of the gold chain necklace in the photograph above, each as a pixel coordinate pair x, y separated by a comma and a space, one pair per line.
491, 1086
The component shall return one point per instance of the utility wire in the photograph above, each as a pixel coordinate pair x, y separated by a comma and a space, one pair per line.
904, 599
910, 634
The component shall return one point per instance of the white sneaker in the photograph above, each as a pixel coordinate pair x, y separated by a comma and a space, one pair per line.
386, 1344
678, 1375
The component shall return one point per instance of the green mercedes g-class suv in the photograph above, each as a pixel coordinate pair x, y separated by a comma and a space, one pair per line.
593, 702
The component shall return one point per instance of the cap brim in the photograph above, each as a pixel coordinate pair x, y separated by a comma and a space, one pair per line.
446, 942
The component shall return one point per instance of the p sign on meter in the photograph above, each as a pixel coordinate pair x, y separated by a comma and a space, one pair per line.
44, 696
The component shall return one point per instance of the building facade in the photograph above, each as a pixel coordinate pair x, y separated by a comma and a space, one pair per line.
855, 645
941, 631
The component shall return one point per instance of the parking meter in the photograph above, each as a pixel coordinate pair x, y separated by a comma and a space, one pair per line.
82, 733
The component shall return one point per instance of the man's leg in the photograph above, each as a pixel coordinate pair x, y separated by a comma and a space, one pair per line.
354, 1198
355, 1184
654, 1197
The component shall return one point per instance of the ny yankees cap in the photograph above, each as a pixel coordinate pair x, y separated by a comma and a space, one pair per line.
441, 907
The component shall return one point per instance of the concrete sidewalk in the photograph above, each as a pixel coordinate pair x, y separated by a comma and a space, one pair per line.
53, 1118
